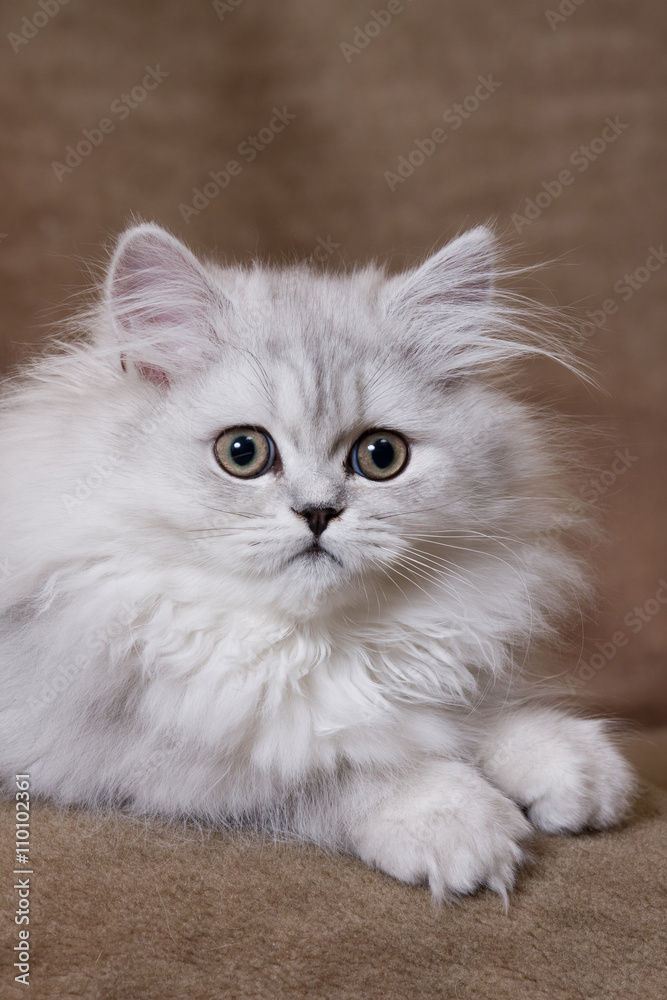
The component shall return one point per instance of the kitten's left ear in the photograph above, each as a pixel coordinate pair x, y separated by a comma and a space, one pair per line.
458, 277
162, 305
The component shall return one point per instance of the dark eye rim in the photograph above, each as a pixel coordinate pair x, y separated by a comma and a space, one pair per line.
271, 461
353, 459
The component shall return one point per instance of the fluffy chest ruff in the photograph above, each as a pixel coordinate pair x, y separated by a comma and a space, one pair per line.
257, 695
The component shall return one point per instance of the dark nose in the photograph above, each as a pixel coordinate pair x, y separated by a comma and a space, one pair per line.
318, 517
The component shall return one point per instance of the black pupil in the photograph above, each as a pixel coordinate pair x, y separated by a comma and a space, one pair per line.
243, 449
382, 453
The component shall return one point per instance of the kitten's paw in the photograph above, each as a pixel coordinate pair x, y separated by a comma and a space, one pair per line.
452, 830
566, 771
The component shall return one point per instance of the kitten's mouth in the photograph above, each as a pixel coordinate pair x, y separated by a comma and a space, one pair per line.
313, 554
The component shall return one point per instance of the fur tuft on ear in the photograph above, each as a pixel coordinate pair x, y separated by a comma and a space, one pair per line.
459, 275
454, 322
162, 305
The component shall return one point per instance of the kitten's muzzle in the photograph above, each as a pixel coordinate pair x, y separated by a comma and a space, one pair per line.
318, 517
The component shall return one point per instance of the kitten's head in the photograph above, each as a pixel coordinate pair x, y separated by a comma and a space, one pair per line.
322, 440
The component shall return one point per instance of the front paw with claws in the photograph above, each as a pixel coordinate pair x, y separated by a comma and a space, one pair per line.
450, 829
565, 771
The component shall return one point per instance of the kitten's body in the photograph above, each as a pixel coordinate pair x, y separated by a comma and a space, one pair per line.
169, 638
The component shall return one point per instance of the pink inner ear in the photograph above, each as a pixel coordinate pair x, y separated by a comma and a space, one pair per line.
151, 373
160, 296
140, 283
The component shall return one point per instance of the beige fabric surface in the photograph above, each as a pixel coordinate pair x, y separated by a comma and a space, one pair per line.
127, 910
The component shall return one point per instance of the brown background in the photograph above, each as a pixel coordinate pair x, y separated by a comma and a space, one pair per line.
323, 177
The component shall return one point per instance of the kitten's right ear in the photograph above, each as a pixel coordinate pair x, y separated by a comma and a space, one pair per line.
162, 304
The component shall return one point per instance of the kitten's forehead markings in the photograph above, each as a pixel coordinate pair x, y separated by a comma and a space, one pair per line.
314, 405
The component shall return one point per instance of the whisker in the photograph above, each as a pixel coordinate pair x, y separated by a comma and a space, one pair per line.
239, 532
423, 572
435, 559
393, 569
481, 551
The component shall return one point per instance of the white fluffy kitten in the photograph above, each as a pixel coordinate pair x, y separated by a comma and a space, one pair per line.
275, 551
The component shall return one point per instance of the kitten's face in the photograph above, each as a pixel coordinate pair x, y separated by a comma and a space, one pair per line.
314, 459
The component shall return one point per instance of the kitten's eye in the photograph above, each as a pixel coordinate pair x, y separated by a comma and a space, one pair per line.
245, 452
379, 455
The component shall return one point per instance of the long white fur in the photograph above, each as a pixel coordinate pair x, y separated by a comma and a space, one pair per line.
162, 648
